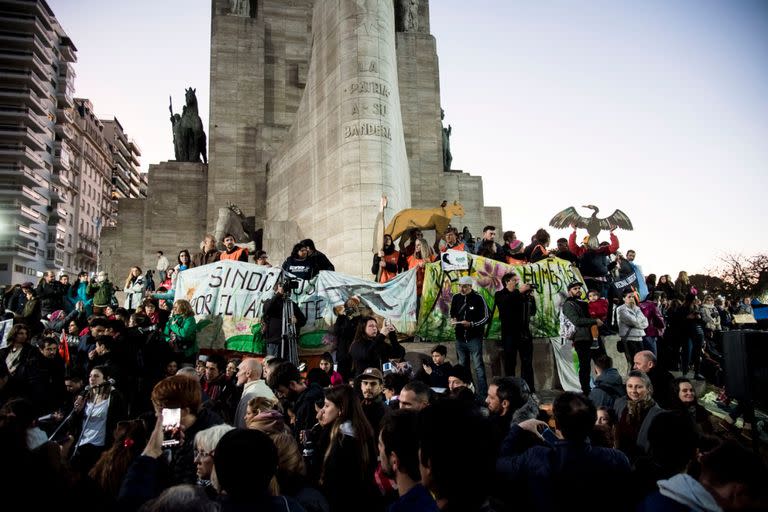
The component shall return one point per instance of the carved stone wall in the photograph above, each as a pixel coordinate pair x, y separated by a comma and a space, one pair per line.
346, 147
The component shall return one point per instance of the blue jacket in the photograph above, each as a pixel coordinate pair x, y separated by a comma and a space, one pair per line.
566, 475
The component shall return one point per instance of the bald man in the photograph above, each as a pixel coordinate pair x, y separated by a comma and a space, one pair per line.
249, 374
662, 380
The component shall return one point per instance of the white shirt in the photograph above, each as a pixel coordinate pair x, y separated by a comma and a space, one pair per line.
162, 263
95, 424
251, 389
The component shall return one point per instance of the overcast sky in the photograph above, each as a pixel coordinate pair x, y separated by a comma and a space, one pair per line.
659, 108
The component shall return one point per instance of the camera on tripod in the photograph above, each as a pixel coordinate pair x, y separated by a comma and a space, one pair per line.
290, 284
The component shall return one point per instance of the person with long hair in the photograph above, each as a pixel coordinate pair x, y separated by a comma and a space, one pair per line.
635, 414
683, 285
181, 330
348, 452
99, 410
422, 254
134, 288
685, 400
370, 348
108, 472
326, 364
21, 358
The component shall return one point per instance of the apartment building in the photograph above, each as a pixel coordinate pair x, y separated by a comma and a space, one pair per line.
37, 182
126, 178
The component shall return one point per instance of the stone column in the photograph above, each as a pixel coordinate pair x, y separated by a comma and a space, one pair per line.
346, 147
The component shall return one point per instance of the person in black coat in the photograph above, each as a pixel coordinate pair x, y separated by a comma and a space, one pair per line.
370, 348
516, 307
272, 320
469, 314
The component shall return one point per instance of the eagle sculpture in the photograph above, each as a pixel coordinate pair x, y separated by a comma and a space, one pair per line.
593, 225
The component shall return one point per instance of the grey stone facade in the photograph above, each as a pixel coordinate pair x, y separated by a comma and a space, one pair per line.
316, 109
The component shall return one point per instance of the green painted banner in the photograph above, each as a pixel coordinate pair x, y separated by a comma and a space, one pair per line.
550, 275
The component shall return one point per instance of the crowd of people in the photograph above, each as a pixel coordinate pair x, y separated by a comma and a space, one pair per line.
87, 387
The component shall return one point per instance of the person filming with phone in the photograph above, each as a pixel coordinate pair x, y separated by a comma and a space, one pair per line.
372, 348
516, 306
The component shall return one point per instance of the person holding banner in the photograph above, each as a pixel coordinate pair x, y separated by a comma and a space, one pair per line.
422, 255
388, 262
469, 314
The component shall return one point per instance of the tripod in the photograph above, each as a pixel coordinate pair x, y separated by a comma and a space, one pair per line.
289, 346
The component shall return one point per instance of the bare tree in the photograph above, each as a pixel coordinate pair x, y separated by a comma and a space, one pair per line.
743, 275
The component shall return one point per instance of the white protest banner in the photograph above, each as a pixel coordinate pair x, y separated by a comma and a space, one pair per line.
5, 327
227, 298
395, 299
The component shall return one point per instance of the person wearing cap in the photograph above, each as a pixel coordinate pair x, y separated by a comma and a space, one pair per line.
459, 376
577, 311
469, 314
371, 387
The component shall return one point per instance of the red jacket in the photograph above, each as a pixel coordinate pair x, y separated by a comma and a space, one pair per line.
578, 250
599, 309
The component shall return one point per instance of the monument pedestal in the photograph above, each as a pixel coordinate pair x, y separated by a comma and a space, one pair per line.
169, 220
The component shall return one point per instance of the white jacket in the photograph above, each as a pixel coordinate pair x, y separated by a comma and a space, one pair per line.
632, 322
134, 293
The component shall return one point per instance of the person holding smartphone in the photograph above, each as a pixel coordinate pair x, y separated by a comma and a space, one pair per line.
183, 393
372, 348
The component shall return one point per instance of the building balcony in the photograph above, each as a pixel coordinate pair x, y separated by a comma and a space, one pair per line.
61, 156
29, 234
66, 131
121, 186
16, 209
40, 86
22, 154
64, 100
61, 178
24, 134
65, 114
57, 196
67, 50
22, 96
16, 249
86, 253
21, 192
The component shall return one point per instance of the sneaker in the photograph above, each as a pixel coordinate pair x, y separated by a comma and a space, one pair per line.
595, 345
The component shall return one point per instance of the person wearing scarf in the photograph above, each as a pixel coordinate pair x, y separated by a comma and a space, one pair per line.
635, 412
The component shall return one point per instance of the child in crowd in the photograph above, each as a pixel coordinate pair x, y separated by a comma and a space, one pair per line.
437, 369
598, 308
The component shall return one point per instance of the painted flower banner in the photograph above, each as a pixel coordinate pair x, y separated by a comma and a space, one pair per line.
550, 275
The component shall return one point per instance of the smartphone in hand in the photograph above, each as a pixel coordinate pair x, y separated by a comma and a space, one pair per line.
171, 427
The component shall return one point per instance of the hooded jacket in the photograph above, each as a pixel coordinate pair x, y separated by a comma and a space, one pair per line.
608, 388
681, 492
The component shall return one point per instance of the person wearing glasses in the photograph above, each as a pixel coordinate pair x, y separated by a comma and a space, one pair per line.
261, 258
205, 446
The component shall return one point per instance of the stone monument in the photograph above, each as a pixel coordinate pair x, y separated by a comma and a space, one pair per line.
315, 111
